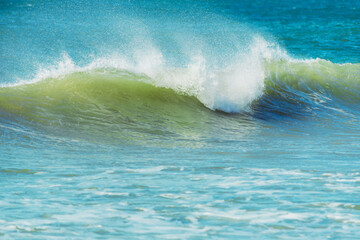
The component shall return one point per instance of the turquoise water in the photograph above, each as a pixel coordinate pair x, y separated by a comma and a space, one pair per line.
179, 120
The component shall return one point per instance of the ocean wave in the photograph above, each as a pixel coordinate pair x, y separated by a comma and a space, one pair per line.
147, 95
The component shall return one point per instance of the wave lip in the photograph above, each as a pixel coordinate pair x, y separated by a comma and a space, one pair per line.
228, 86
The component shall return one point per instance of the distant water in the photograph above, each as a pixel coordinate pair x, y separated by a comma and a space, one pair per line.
180, 120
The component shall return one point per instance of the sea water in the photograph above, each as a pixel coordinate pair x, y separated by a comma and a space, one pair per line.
179, 119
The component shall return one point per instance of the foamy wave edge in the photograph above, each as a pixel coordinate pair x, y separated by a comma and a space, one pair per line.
230, 89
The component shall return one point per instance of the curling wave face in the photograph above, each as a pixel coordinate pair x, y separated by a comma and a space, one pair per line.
103, 102
136, 102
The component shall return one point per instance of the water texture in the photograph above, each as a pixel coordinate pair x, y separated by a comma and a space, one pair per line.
179, 120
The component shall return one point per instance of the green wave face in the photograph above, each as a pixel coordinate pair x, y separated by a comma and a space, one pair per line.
119, 105
115, 104
300, 88
338, 79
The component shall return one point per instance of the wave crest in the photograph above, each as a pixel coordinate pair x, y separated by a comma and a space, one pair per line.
264, 78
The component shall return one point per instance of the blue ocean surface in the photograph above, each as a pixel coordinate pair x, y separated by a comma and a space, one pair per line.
179, 119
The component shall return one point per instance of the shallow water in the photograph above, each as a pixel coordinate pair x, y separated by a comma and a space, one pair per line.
191, 120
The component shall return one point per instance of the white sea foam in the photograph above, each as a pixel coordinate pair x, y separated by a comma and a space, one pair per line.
118, 194
229, 88
264, 216
148, 170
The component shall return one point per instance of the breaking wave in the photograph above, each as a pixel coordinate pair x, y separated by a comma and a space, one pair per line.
130, 98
